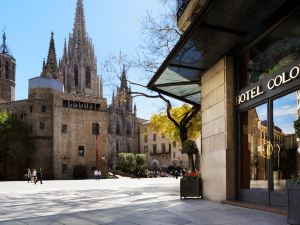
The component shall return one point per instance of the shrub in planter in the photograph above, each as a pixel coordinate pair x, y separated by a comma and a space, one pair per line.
293, 191
191, 185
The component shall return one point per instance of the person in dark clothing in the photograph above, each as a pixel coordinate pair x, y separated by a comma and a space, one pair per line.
39, 176
176, 174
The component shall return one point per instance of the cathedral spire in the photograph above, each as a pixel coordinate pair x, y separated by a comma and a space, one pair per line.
4, 42
51, 69
79, 31
124, 80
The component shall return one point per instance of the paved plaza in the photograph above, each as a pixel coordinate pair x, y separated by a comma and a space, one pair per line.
124, 201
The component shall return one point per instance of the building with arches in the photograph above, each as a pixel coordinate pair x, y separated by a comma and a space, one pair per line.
68, 119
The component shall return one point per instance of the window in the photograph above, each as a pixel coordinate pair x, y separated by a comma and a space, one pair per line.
174, 154
76, 75
145, 148
154, 148
64, 128
7, 71
271, 54
43, 108
65, 104
163, 136
118, 127
174, 144
30, 129
128, 147
64, 168
169, 147
31, 108
146, 138
95, 128
42, 125
117, 146
88, 77
23, 116
163, 147
154, 137
128, 128
80, 150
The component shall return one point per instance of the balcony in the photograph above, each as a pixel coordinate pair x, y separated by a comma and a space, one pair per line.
186, 9
160, 153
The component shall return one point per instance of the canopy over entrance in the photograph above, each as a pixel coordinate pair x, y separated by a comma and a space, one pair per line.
216, 31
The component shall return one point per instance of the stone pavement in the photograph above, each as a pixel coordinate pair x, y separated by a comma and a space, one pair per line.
124, 201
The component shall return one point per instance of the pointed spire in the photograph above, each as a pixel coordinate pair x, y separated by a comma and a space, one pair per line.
79, 32
65, 50
51, 68
3, 47
124, 80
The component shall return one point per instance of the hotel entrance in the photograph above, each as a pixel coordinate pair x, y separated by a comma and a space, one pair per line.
269, 153
268, 111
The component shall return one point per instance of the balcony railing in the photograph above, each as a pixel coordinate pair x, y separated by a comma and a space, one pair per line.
181, 6
160, 153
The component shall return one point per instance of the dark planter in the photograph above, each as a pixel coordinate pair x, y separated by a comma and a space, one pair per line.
190, 187
293, 191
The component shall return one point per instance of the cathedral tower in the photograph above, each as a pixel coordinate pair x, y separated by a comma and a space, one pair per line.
78, 67
7, 73
50, 68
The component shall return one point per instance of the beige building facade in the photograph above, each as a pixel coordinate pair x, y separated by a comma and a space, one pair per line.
160, 150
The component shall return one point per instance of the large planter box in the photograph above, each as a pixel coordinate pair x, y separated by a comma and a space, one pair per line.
190, 187
293, 191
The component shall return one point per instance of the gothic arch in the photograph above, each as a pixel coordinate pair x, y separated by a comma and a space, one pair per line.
117, 146
128, 147
118, 126
76, 78
88, 77
7, 70
128, 128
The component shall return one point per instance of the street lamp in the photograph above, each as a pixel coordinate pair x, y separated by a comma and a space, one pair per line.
95, 131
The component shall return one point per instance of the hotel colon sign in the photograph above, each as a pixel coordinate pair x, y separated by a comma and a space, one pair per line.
241, 63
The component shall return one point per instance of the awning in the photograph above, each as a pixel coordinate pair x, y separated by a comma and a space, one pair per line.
219, 26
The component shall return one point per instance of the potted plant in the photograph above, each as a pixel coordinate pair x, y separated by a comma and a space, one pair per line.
191, 183
293, 191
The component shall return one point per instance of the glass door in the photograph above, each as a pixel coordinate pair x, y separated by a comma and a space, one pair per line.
269, 149
285, 157
254, 170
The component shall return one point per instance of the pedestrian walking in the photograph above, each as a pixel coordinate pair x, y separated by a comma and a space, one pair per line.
28, 175
99, 174
34, 173
39, 176
176, 174
96, 174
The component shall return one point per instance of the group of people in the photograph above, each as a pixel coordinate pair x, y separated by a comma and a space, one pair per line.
97, 174
35, 175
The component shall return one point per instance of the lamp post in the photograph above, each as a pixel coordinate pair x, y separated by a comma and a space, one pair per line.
95, 131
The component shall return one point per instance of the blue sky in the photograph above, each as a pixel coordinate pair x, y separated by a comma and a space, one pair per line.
113, 25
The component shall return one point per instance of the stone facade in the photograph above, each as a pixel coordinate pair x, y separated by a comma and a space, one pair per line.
69, 122
123, 122
166, 152
217, 161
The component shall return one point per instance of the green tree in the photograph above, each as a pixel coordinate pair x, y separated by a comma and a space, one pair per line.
179, 123
297, 127
140, 160
15, 147
191, 149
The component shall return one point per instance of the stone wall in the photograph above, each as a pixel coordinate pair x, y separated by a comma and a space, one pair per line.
217, 158
78, 132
